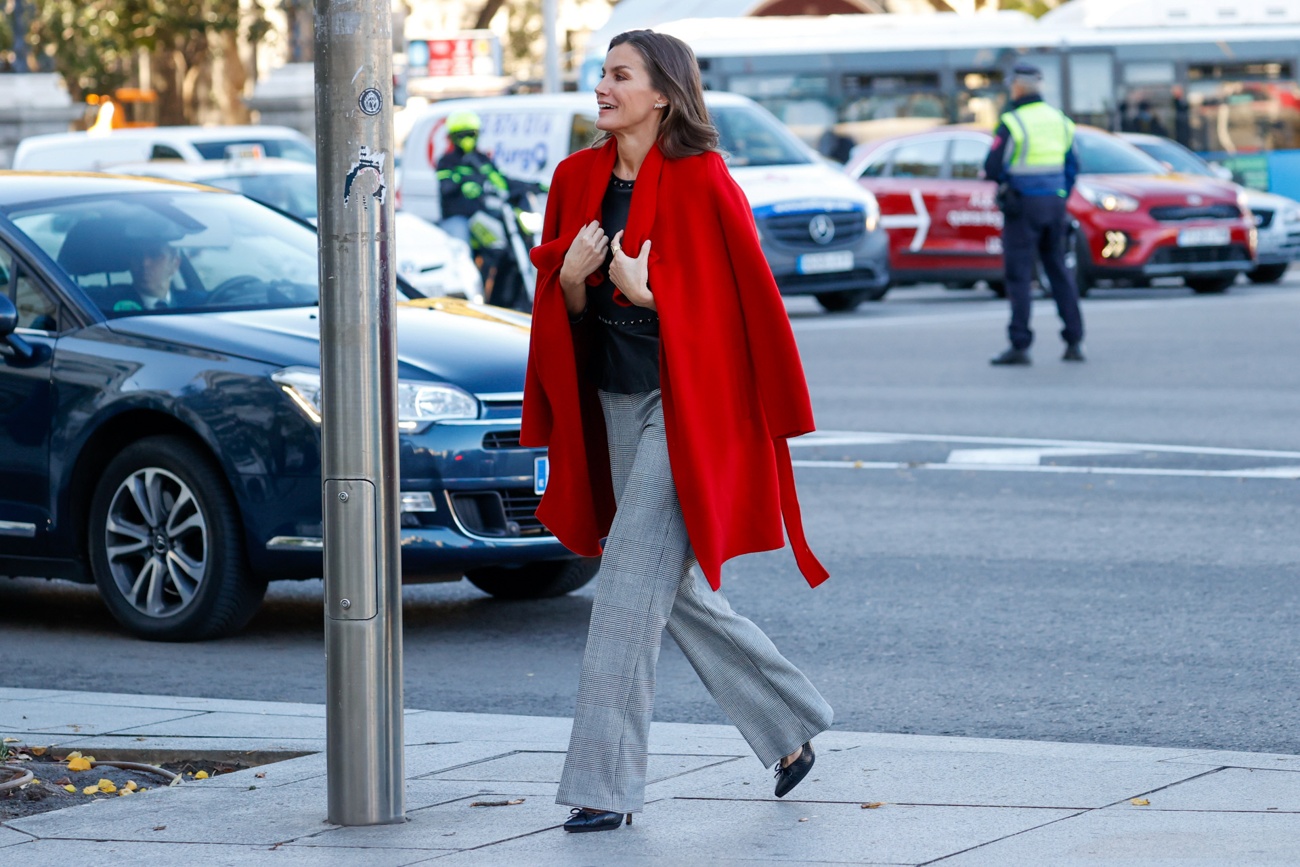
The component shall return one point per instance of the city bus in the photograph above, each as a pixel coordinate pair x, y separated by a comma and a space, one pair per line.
1217, 77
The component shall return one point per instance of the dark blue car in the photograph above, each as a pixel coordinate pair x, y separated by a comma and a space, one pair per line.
159, 410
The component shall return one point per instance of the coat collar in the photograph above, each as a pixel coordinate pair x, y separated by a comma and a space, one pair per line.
645, 195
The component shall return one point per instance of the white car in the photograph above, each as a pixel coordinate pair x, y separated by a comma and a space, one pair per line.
1277, 218
427, 257
96, 151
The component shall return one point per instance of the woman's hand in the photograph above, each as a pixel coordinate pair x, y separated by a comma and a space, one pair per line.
630, 275
585, 255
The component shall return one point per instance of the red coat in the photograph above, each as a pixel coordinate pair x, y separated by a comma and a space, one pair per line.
732, 384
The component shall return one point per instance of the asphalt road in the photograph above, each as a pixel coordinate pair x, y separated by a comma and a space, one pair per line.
1103, 552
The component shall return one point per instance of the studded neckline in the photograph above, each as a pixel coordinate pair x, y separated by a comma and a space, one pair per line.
619, 184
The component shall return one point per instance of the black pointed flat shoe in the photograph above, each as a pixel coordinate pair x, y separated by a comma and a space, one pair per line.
582, 819
792, 774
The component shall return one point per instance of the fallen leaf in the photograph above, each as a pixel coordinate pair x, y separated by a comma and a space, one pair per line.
803, 820
75, 754
160, 827
70, 788
261, 776
90, 790
1140, 802
107, 786
35, 782
130, 786
126, 792
64, 781
201, 775
498, 803
38, 751
873, 805
11, 740
78, 764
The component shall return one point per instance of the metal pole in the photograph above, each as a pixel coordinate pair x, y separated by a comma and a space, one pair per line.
551, 77
20, 38
363, 610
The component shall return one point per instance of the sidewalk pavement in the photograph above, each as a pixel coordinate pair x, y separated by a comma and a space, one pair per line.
954, 801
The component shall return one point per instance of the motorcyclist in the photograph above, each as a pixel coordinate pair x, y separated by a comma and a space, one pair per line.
464, 174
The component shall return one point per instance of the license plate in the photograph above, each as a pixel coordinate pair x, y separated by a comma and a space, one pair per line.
825, 263
1204, 236
541, 472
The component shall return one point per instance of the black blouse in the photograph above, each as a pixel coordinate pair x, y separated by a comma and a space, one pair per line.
625, 357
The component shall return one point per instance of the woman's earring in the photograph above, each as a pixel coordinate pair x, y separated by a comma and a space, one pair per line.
661, 105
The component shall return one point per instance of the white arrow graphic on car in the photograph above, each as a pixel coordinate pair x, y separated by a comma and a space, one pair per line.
920, 220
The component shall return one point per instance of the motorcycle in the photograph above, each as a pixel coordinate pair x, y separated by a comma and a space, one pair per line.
502, 233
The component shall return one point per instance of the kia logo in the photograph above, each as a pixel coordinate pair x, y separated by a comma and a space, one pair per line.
1194, 200
822, 229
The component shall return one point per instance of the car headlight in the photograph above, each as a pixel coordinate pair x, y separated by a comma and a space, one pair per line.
1291, 215
1107, 200
873, 212
418, 403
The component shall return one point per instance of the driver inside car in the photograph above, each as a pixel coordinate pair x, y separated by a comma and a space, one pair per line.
153, 265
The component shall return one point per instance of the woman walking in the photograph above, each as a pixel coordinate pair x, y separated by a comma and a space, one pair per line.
664, 378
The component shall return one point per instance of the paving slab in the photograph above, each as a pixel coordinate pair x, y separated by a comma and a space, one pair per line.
117, 743
1124, 838
8, 693
41, 852
545, 767
917, 776
1043, 749
223, 725
1226, 758
173, 702
456, 824
1231, 789
441, 726
673, 830
59, 719
10, 837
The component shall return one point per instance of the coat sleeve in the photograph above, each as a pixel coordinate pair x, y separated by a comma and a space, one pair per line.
538, 414
773, 352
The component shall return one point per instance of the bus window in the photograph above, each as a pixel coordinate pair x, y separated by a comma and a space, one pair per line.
882, 106
967, 158
1243, 107
922, 159
1092, 88
981, 97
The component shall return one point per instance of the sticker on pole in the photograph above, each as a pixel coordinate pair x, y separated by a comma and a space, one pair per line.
371, 101
366, 175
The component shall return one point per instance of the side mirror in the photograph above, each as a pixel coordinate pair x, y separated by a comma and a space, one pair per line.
11, 345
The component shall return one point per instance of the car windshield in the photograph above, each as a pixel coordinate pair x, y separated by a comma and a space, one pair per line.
190, 250
285, 148
1105, 155
752, 137
292, 193
1179, 159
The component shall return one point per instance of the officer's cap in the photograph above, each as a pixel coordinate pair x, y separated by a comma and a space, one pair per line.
1024, 69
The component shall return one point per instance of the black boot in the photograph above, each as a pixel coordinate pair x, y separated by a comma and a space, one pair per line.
1012, 356
1072, 353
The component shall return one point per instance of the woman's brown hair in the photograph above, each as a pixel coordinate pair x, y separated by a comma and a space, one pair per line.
684, 129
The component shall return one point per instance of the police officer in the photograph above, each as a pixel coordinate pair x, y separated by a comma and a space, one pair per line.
463, 174
1034, 163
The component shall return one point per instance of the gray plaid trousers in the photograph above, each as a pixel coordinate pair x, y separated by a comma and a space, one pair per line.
648, 581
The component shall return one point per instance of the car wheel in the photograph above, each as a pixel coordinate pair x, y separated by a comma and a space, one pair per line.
1267, 273
543, 580
166, 546
1210, 285
842, 302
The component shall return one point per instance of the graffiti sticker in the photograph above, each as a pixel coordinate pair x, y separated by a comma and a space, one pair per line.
371, 101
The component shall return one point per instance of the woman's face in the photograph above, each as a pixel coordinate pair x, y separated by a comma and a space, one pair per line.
625, 96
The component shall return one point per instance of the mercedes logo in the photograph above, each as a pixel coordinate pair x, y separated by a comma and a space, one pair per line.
822, 229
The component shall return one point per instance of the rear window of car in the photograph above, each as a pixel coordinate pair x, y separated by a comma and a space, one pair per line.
285, 148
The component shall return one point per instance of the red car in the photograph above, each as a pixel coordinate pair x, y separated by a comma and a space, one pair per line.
1132, 220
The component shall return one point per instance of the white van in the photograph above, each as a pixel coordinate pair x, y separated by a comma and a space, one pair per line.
91, 152
820, 230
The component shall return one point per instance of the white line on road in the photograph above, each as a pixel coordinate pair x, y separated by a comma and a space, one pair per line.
1024, 457
820, 439
1260, 473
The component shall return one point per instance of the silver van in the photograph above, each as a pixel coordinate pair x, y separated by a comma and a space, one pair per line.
92, 152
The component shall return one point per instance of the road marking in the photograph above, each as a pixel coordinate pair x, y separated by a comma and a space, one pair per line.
1292, 472
1024, 457
819, 439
